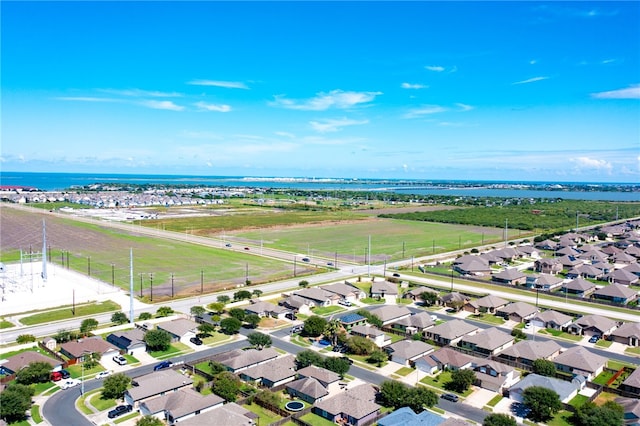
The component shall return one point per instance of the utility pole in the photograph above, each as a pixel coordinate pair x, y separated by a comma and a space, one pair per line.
201, 281
151, 283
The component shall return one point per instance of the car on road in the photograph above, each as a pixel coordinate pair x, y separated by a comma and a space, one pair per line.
227, 245
305, 259
119, 410
69, 383
120, 360
397, 275
329, 263
103, 374
162, 365
196, 340
594, 338
296, 329
450, 397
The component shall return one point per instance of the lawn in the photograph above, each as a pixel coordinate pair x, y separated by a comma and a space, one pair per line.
76, 370
35, 414
560, 419
633, 351
603, 378
174, 349
604, 343
6, 324
101, 404
404, 371
441, 380
372, 301
216, 338
326, 310
316, 420
266, 416
67, 313
494, 401
488, 318
561, 334
579, 401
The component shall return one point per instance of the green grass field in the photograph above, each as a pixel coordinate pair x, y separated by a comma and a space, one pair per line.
62, 314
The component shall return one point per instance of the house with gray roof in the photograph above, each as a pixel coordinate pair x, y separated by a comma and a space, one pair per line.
415, 323
267, 309
565, 390
407, 351
230, 414
628, 334
274, 372
511, 276
590, 325
451, 298
15, 363
378, 336
391, 313
579, 286
308, 389
297, 304
494, 376
549, 266
631, 408
585, 271
489, 303
154, 384
316, 296
385, 290
487, 342
444, 359
177, 406
632, 383
327, 378
237, 360
569, 262
450, 332
544, 282
616, 293
527, 351
355, 406
551, 319
346, 291
474, 265
180, 329
623, 277
129, 341
517, 311
578, 360
405, 416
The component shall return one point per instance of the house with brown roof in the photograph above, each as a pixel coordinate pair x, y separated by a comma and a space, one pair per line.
237, 360
355, 406
578, 360
180, 329
551, 319
450, 332
451, 298
391, 313
488, 304
623, 277
550, 266
489, 341
15, 363
585, 271
444, 359
590, 325
308, 389
316, 296
473, 265
527, 351
346, 291
274, 372
326, 378
511, 276
155, 384
544, 282
297, 304
407, 351
385, 290
494, 376
177, 406
631, 409
77, 349
616, 293
632, 383
517, 311
415, 323
564, 389
579, 287
627, 334
267, 309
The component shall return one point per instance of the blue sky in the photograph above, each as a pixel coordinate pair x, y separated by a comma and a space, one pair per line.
537, 91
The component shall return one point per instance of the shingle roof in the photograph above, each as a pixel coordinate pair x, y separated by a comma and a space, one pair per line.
453, 329
555, 316
509, 274
184, 401
448, 356
16, 362
409, 349
274, 370
633, 379
490, 338
239, 358
530, 350
178, 327
342, 289
491, 301
601, 323
90, 344
617, 290
384, 287
366, 330
580, 358
390, 312
419, 320
628, 329
561, 387
157, 382
521, 308
356, 402
321, 374
309, 386
579, 284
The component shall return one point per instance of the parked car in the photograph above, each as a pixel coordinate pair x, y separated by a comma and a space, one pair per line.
69, 383
162, 365
450, 397
296, 329
329, 263
290, 316
56, 376
102, 375
196, 340
344, 302
65, 374
120, 360
594, 338
527, 326
119, 410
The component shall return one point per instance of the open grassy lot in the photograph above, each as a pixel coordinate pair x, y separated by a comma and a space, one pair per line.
66, 313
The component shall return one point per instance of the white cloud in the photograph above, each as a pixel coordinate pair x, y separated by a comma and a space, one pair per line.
203, 106
141, 93
591, 163
217, 83
413, 86
425, 110
533, 62
632, 92
531, 80
607, 61
85, 99
435, 68
464, 107
332, 125
166, 105
323, 101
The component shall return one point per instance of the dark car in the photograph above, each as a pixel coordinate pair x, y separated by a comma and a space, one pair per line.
290, 315
162, 365
246, 248
196, 341
119, 410
449, 397
305, 259
65, 374
227, 245
594, 338
397, 275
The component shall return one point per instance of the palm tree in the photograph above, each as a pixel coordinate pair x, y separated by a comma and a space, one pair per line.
332, 330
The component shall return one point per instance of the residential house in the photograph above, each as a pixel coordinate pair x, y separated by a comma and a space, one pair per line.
355, 406
130, 341
590, 325
578, 360
316, 296
444, 359
267, 309
585, 271
50, 343
569, 262
488, 304
378, 336
565, 390
631, 408
616, 293
487, 342
77, 349
180, 329
511, 276
346, 291
230, 414
517, 311
472, 265
155, 384
632, 383
237, 360
274, 372
415, 323
17, 362
350, 320
551, 319
623, 277
494, 376
579, 286
623, 259
527, 351
307, 389
449, 299
297, 304
544, 282
407, 351
405, 416
628, 334
546, 245
450, 332
327, 378
177, 406
634, 268
529, 251
391, 313
385, 290
414, 293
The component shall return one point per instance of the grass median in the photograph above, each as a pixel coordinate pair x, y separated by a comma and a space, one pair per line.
68, 313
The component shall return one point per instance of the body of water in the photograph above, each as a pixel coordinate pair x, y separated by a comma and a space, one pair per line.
64, 181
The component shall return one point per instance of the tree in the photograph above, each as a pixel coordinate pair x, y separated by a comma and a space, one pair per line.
237, 313
145, 316
216, 367
429, 297
197, 310
544, 367
419, 398
15, 401
519, 334
499, 419
157, 340
226, 385
230, 325
149, 421
359, 345
224, 299
269, 397
259, 340
590, 414
35, 372
119, 318
252, 320
304, 283
456, 305
115, 386
378, 357
371, 318
164, 311
62, 336
543, 403
206, 329
241, 295
25, 338
333, 328
461, 379
308, 357
256, 293
216, 307
91, 360
339, 366
88, 325
396, 394
314, 326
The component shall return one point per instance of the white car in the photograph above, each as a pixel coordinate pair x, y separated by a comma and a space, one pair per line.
69, 383
103, 374
527, 326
